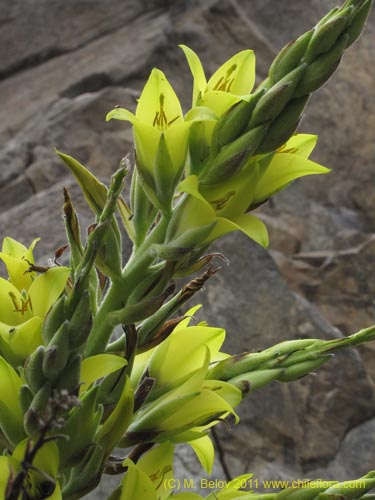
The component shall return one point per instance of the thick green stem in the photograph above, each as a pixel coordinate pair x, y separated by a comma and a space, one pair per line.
119, 291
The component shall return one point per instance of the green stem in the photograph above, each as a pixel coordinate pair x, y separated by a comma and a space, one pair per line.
119, 291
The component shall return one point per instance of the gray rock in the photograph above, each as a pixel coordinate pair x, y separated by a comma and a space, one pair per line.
359, 442
293, 425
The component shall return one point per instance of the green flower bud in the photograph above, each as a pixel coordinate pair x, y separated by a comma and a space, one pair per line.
33, 369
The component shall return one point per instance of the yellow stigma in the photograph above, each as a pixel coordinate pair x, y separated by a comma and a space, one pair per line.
160, 121
224, 84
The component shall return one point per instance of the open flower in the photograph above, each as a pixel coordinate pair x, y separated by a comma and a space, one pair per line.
183, 410
160, 135
25, 300
230, 83
225, 205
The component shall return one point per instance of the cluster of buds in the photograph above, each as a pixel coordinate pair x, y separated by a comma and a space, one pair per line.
98, 341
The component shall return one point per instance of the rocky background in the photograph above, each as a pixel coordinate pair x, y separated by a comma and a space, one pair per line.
65, 63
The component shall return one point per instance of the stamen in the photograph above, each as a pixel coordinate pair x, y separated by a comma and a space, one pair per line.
161, 121
220, 204
25, 303
155, 122
172, 121
14, 300
217, 86
225, 84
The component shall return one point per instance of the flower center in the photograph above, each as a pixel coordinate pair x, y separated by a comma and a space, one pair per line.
161, 121
25, 304
224, 83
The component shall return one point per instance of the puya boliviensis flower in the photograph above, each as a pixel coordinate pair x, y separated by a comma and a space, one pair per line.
230, 83
181, 405
224, 207
25, 300
160, 136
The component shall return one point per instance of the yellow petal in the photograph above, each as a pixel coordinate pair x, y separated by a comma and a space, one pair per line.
236, 76
158, 465
10, 384
47, 288
231, 394
233, 197
17, 271
219, 101
18, 342
198, 411
14, 248
300, 144
189, 316
99, 366
158, 95
136, 484
169, 358
17, 258
253, 227
121, 114
176, 138
197, 71
146, 140
16, 311
194, 212
283, 169
205, 452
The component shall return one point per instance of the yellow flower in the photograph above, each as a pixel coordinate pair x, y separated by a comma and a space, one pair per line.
160, 136
184, 409
18, 259
25, 300
225, 205
230, 83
